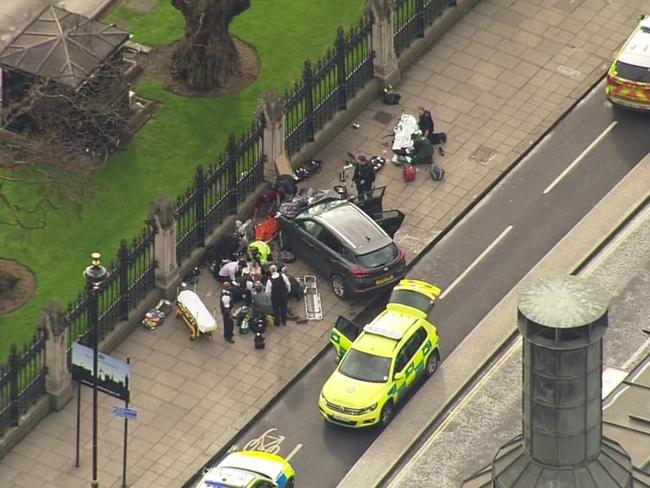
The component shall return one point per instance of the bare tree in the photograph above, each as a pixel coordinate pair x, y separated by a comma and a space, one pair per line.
56, 135
207, 57
89, 120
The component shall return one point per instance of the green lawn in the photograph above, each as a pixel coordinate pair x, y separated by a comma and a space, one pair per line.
162, 157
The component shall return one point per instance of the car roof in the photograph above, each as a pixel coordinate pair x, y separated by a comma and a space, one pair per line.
636, 50
362, 234
385, 332
226, 477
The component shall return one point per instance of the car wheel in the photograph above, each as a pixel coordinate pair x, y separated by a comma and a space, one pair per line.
291, 483
387, 414
339, 287
432, 364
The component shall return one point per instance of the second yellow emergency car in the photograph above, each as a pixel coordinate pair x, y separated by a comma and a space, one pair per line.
250, 469
628, 78
379, 365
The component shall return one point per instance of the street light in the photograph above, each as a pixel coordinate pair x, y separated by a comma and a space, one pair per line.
95, 275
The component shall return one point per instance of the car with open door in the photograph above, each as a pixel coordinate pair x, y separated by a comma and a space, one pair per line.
381, 362
345, 244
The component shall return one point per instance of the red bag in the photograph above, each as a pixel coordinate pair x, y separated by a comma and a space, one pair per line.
409, 173
267, 229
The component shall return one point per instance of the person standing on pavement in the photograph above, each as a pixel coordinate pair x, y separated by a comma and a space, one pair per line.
425, 123
364, 176
226, 312
279, 287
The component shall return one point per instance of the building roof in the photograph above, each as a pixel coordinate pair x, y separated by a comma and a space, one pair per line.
62, 46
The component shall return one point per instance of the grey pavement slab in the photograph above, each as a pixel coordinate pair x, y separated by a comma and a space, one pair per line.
495, 82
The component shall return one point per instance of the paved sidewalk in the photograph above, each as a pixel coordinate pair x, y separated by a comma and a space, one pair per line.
495, 83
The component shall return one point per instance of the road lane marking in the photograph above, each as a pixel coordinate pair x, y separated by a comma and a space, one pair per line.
580, 157
455, 411
269, 441
476, 261
293, 453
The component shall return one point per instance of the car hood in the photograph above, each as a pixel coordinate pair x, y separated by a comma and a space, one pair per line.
348, 392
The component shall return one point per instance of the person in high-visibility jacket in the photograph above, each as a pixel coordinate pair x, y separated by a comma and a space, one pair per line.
259, 251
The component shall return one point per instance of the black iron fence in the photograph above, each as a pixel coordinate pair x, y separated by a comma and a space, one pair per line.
412, 17
327, 86
131, 277
218, 190
22, 380
216, 193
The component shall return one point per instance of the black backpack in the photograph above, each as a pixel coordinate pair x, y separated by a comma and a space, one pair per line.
391, 98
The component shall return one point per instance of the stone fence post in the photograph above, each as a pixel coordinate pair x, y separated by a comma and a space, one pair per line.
272, 109
162, 217
385, 63
58, 380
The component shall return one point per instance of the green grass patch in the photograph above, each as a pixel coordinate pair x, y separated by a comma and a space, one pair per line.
162, 157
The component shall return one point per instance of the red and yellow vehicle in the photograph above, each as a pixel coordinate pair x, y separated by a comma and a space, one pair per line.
628, 78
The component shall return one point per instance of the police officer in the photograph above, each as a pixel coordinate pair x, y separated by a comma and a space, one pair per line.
226, 312
364, 176
279, 288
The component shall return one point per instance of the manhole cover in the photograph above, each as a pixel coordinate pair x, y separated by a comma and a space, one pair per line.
483, 154
568, 5
383, 117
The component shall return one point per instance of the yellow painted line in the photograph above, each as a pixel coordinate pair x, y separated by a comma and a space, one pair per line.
580, 157
452, 415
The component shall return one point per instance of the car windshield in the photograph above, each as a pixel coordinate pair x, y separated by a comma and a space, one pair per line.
319, 208
631, 72
380, 257
365, 367
412, 299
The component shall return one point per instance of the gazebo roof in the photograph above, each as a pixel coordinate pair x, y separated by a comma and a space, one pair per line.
62, 46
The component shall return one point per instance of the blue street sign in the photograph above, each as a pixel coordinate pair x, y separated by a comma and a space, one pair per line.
127, 413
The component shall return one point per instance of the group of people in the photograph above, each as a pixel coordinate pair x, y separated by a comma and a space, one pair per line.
422, 140
252, 277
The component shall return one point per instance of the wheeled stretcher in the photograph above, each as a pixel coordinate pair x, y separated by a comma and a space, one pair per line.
195, 314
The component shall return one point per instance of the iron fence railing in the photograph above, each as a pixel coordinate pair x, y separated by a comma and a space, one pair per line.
22, 380
328, 85
218, 190
131, 277
412, 17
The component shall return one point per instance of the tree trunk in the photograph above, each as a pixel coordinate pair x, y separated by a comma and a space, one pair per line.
207, 57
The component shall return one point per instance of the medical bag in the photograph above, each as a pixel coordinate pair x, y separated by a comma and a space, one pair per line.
408, 173
267, 229
436, 172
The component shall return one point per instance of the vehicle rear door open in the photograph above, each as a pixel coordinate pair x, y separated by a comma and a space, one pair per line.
390, 221
343, 335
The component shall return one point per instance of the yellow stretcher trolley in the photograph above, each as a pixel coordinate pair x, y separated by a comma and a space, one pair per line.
195, 314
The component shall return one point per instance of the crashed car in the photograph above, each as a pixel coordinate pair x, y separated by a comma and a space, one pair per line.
380, 364
342, 242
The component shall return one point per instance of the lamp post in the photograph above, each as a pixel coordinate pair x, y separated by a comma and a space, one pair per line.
95, 275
